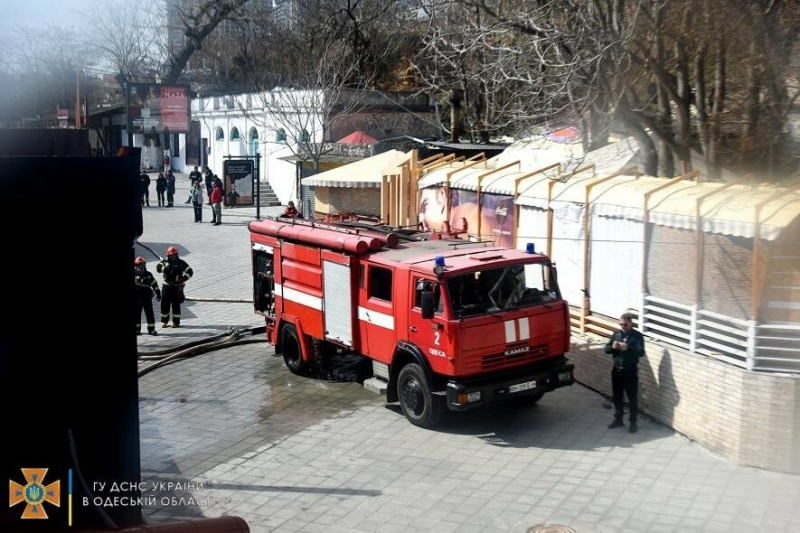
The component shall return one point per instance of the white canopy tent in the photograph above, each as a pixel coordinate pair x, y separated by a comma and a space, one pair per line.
366, 173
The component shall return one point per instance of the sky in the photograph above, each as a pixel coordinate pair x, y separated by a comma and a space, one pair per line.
42, 12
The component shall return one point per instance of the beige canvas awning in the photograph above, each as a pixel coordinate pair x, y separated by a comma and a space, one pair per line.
730, 210
368, 172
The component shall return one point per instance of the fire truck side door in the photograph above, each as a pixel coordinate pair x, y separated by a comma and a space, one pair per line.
429, 334
376, 313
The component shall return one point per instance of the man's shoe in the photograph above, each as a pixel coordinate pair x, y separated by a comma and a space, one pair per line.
164, 325
176, 325
217, 223
634, 428
617, 423
153, 332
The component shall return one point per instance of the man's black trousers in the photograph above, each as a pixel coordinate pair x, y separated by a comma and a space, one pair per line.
147, 305
625, 382
171, 298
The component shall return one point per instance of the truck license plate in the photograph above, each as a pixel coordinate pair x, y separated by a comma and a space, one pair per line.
521, 386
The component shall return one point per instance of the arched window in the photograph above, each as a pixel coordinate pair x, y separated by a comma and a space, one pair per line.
234, 133
253, 137
305, 136
219, 134
280, 135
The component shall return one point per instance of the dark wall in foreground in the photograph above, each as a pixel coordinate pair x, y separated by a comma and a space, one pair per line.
67, 347
45, 142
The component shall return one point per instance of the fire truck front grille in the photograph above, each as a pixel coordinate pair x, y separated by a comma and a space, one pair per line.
512, 358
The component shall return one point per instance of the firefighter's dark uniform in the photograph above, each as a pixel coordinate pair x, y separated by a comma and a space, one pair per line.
146, 286
176, 273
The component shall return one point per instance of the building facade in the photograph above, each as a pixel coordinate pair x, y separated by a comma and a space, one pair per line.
273, 127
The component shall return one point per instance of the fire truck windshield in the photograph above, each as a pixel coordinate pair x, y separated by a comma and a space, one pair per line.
500, 289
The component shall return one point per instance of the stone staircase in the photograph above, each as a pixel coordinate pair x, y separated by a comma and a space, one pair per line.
268, 196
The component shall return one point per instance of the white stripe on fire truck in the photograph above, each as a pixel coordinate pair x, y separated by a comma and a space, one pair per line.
374, 317
524, 331
302, 298
511, 331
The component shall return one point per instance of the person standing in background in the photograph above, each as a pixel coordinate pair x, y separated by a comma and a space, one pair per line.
216, 203
161, 189
195, 175
144, 188
170, 188
176, 273
209, 180
196, 198
146, 287
626, 347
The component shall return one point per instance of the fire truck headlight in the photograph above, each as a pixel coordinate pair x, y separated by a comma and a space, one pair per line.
468, 397
565, 376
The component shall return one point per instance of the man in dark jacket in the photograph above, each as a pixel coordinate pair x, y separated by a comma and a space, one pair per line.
209, 180
195, 175
176, 273
626, 347
146, 287
144, 188
170, 188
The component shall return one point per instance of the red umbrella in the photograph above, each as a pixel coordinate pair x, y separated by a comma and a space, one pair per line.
358, 137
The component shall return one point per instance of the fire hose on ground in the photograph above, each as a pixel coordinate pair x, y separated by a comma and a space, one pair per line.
235, 336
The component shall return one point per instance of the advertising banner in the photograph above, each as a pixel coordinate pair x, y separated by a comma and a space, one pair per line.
239, 182
156, 108
496, 213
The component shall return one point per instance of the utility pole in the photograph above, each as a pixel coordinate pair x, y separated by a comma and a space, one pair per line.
78, 101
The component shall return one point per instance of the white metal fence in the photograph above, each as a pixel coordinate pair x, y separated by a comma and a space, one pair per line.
743, 343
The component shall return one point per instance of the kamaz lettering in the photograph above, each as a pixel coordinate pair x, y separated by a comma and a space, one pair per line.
515, 351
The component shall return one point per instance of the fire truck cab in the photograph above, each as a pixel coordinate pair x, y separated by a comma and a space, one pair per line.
447, 323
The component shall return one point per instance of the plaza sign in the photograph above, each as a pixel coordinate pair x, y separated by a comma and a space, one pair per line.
155, 108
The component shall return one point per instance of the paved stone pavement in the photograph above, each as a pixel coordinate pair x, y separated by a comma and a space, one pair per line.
295, 454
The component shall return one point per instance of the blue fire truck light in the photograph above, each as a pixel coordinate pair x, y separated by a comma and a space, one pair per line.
530, 248
439, 261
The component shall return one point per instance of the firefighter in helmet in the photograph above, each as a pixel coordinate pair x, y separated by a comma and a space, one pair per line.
176, 273
146, 287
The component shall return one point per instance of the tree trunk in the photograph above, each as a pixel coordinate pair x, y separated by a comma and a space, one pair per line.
701, 98
665, 157
684, 126
210, 15
712, 157
647, 149
751, 103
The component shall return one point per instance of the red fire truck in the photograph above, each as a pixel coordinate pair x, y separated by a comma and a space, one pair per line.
447, 323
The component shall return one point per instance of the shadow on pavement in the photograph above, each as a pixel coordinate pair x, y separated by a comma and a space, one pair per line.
564, 424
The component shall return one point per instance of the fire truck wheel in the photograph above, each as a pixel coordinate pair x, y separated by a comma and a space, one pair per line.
422, 408
292, 352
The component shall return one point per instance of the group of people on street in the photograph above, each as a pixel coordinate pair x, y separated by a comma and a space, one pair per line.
176, 272
216, 194
165, 188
